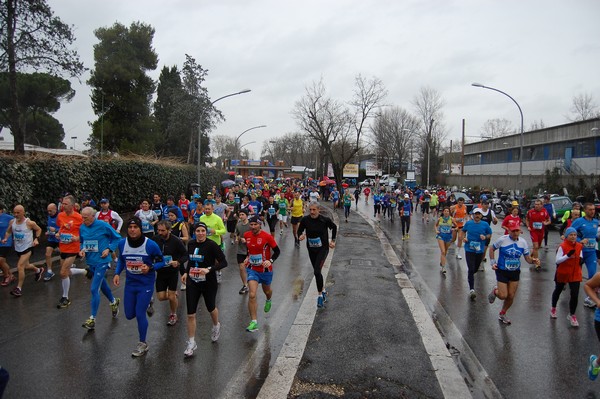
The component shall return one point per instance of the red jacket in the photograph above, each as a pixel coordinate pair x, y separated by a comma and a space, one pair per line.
570, 270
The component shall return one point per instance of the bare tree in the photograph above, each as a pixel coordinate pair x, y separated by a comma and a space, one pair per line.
583, 107
292, 149
537, 125
428, 104
392, 134
335, 126
497, 128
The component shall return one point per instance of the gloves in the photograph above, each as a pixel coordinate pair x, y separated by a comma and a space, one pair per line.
571, 253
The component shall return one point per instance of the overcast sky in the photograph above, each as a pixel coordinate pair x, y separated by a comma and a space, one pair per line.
541, 52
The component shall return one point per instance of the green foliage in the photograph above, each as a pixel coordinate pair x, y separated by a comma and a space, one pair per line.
37, 182
121, 89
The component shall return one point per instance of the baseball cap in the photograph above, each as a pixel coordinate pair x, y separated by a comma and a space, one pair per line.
485, 201
209, 193
244, 211
514, 203
478, 210
406, 196
253, 219
104, 201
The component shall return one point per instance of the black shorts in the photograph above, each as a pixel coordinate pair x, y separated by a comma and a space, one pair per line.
296, 219
504, 276
194, 291
241, 258
65, 255
167, 279
231, 226
4, 251
30, 249
52, 244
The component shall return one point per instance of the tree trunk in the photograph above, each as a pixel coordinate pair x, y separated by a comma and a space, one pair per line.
15, 117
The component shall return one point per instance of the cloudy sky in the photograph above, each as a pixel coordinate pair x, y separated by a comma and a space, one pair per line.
542, 52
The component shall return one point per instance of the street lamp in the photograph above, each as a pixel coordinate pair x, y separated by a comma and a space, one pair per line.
102, 127
200, 130
74, 138
237, 139
520, 112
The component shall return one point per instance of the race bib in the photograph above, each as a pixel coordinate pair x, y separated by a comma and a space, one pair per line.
460, 220
475, 246
183, 207
538, 225
66, 238
237, 200
134, 265
591, 244
445, 229
90, 246
18, 236
167, 259
157, 212
512, 264
255, 260
195, 275
146, 226
271, 211
315, 242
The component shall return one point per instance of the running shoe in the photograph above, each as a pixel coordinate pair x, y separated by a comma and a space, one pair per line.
320, 301
492, 295
593, 370
472, 295
182, 287
140, 349
553, 313
39, 274
150, 310
215, 333
538, 268
573, 320
114, 307
325, 294
172, 320
504, 319
219, 276
243, 290
8, 280
443, 269
88, 273
407, 236
587, 302
90, 324
458, 256
48, 276
404, 237
63, 303
16, 292
190, 348
268, 306
252, 327
281, 232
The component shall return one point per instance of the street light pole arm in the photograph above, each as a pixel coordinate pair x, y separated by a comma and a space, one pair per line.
506, 94
230, 95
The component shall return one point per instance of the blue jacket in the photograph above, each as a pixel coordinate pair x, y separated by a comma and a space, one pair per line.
96, 238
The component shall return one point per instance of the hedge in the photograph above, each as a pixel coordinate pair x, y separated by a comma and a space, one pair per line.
36, 182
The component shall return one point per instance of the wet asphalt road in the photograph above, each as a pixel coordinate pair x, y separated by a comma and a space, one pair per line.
49, 354
535, 357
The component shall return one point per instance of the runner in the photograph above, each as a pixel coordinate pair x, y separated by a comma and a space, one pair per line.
232, 215
282, 215
205, 257
297, 206
434, 202
587, 232
109, 216
477, 234
242, 250
366, 192
488, 216
25, 235
318, 244
424, 200
174, 256
5, 247
178, 228
148, 218
347, 201
508, 268
270, 213
215, 229
51, 240
444, 227
592, 289
356, 197
513, 216
98, 240
260, 267
68, 222
141, 257
334, 197
549, 207
157, 206
461, 216
172, 207
535, 221
184, 205
377, 205
568, 271
405, 215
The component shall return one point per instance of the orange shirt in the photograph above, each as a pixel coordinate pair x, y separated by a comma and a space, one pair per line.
69, 229
460, 214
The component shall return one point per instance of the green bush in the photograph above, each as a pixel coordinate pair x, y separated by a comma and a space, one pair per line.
35, 182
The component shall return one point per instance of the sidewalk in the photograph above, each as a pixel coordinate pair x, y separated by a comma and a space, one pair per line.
374, 337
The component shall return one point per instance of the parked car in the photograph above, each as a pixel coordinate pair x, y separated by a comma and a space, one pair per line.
561, 205
468, 200
367, 182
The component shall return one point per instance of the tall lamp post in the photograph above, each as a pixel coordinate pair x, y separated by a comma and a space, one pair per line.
74, 138
237, 139
200, 130
520, 185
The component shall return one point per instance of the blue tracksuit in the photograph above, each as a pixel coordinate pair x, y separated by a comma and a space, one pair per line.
139, 287
95, 239
587, 229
